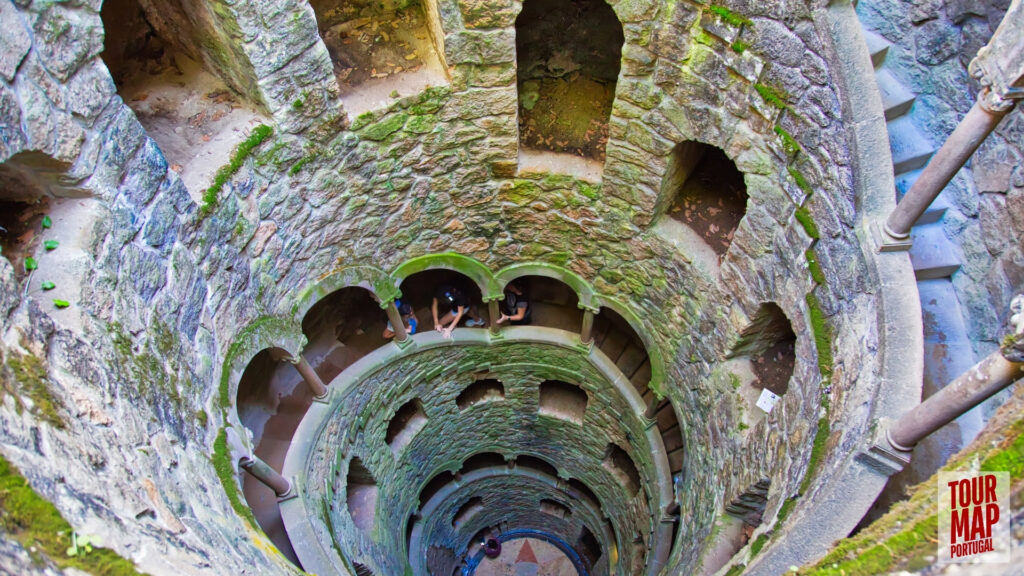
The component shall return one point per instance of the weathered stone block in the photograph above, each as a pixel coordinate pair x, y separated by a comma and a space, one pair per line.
481, 47
15, 40
488, 13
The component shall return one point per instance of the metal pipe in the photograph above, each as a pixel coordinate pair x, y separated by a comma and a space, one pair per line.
310, 376
965, 392
262, 471
397, 324
958, 148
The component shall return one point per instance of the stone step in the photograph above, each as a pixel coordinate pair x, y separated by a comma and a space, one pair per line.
938, 208
896, 99
911, 149
877, 46
933, 254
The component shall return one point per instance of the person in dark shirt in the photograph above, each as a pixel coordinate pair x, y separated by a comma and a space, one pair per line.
515, 308
448, 308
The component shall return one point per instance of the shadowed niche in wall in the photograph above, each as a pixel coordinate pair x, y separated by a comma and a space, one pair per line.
434, 486
407, 421
620, 465
563, 400
769, 343
361, 495
536, 464
485, 390
555, 508
467, 511
380, 46
481, 461
568, 54
703, 189
588, 547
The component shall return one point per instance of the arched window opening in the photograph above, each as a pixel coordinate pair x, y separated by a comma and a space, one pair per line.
341, 328
404, 425
486, 390
563, 400
361, 495
703, 189
568, 54
555, 508
770, 344
671, 434
379, 47
481, 461
435, 485
620, 465
421, 289
578, 490
588, 546
542, 301
181, 74
614, 336
467, 511
270, 402
536, 464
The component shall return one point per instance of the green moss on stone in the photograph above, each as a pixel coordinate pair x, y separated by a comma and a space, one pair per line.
378, 131
38, 526
817, 453
758, 545
739, 47
801, 181
729, 17
814, 267
32, 380
803, 216
1011, 458
244, 149
736, 570
771, 95
226, 473
789, 144
822, 334
784, 510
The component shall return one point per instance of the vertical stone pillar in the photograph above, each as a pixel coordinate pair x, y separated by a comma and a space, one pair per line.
652, 407
587, 330
262, 471
494, 313
310, 376
397, 324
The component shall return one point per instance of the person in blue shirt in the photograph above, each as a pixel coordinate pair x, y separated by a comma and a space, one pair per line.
408, 318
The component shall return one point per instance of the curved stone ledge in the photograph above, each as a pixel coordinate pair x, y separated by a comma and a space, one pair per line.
307, 438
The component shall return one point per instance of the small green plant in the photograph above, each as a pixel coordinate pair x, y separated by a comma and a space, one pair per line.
739, 46
61, 303
47, 222
258, 135
31, 264
773, 96
729, 17
51, 245
803, 216
789, 144
47, 285
81, 544
734, 381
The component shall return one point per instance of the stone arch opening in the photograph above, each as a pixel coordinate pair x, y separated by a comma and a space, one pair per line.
584, 491
481, 461
408, 420
618, 462
550, 302
381, 47
422, 289
479, 392
361, 494
617, 339
563, 400
185, 77
588, 547
45, 223
703, 190
467, 511
537, 465
555, 508
568, 58
769, 344
434, 485
341, 328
